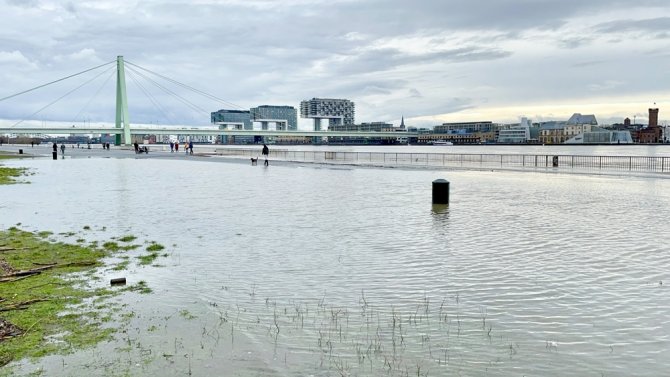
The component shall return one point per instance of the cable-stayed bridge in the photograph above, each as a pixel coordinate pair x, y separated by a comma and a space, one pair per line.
123, 128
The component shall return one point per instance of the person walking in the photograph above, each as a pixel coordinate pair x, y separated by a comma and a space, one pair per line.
137, 148
62, 149
265, 152
171, 146
190, 148
176, 146
55, 147
186, 144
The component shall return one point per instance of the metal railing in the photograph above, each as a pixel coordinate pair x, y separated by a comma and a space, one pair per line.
464, 160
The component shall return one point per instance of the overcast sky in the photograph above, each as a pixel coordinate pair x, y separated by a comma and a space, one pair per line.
429, 61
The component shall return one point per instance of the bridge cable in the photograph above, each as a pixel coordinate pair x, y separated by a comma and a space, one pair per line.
53, 82
168, 91
210, 96
151, 97
59, 98
111, 74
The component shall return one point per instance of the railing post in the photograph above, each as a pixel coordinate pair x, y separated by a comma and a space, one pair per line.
630, 163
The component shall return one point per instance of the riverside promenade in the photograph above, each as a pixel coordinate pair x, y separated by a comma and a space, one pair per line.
455, 158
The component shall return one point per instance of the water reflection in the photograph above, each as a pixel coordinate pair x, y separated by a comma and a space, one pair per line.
290, 270
440, 209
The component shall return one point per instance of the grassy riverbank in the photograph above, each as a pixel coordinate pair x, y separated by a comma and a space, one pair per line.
9, 175
47, 304
37, 297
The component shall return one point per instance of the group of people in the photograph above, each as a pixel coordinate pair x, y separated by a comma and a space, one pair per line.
62, 148
188, 147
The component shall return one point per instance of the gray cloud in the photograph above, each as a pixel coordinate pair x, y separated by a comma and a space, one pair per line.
651, 25
423, 59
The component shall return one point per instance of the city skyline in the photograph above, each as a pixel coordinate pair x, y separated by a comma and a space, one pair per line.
431, 61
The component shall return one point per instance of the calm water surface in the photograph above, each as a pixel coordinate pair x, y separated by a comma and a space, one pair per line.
299, 270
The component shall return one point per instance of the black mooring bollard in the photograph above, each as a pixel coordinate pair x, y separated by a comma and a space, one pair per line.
440, 191
55, 155
20, 151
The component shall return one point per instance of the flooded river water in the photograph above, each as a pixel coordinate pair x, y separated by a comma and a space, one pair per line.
298, 270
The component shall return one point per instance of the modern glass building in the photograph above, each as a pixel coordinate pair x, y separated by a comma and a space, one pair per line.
233, 116
267, 114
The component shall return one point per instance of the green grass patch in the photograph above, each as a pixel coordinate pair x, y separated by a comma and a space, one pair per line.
127, 239
155, 247
53, 310
147, 258
44, 234
9, 176
141, 287
111, 246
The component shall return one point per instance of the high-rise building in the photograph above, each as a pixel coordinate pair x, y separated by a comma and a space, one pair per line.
282, 115
241, 117
653, 117
337, 111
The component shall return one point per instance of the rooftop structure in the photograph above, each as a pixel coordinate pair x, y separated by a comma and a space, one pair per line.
653, 117
337, 111
233, 117
286, 117
465, 127
578, 119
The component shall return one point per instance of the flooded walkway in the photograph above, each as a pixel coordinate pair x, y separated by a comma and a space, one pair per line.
322, 270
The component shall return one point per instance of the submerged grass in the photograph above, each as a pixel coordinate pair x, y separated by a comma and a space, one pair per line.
49, 308
9, 175
35, 303
129, 238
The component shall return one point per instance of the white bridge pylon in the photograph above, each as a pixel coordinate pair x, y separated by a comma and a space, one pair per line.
122, 103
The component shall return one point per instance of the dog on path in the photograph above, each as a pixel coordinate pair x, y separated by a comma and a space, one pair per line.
254, 161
